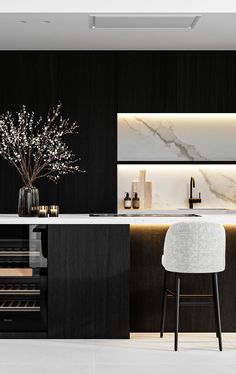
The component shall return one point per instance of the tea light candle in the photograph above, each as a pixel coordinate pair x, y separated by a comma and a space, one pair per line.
53, 210
42, 210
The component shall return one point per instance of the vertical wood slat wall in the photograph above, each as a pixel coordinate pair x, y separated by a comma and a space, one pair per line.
93, 87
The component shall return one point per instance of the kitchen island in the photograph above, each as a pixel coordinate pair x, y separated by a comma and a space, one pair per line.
105, 276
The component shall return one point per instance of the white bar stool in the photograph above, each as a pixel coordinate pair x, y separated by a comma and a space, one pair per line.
193, 247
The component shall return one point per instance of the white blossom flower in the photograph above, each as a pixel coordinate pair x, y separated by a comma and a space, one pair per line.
37, 149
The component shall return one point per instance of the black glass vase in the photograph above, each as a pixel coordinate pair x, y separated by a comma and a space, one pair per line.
28, 199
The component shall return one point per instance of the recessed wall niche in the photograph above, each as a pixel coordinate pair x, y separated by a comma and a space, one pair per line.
170, 184
177, 137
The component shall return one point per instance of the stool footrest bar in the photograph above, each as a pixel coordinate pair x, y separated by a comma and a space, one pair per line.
191, 303
172, 294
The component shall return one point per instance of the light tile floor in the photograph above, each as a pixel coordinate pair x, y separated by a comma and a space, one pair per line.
142, 354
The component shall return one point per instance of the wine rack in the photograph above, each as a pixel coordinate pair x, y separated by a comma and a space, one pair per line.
23, 279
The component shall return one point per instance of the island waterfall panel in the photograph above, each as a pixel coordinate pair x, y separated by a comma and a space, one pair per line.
88, 281
147, 276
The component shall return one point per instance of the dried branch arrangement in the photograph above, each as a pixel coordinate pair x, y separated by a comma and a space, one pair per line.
36, 147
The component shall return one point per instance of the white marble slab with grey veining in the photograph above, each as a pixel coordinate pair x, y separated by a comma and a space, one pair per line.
217, 184
176, 137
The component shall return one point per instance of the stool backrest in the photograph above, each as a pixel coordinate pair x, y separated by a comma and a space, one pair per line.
194, 247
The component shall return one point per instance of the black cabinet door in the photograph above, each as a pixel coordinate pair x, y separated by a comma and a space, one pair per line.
88, 281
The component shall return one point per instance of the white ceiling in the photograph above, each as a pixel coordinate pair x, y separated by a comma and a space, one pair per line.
85, 6
70, 31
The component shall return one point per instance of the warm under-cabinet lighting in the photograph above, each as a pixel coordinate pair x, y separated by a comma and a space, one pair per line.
16, 272
193, 116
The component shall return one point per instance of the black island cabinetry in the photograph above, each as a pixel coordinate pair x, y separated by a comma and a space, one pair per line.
88, 281
64, 281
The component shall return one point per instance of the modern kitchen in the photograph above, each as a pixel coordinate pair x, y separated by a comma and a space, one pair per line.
118, 193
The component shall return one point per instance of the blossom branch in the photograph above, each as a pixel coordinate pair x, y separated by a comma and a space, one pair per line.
36, 148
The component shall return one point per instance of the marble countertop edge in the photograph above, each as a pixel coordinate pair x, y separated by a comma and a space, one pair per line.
222, 217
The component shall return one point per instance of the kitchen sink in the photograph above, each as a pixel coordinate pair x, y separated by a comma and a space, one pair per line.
144, 215
204, 209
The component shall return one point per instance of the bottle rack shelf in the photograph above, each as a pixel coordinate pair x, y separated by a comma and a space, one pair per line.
19, 305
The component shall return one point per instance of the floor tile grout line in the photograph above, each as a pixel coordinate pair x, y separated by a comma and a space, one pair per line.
94, 359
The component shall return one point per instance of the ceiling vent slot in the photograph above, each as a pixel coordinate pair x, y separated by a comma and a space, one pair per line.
143, 21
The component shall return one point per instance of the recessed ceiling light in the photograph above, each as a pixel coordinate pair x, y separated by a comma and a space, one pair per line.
143, 21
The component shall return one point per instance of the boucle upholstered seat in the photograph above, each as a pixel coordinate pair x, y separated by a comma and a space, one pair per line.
193, 247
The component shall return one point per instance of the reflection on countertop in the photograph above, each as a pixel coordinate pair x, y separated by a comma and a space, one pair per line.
144, 215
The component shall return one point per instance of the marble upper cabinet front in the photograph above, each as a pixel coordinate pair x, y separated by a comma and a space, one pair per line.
177, 137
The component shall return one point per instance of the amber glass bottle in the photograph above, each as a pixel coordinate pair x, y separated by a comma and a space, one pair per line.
135, 201
127, 201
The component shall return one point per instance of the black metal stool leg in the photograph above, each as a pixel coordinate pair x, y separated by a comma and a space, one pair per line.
217, 308
214, 304
177, 296
163, 312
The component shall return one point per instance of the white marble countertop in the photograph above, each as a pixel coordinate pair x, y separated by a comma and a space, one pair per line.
220, 216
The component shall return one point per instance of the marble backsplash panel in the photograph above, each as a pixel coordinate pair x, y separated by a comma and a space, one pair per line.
177, 137
170, 184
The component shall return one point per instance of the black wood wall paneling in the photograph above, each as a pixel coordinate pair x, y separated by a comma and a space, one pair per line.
94, 86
